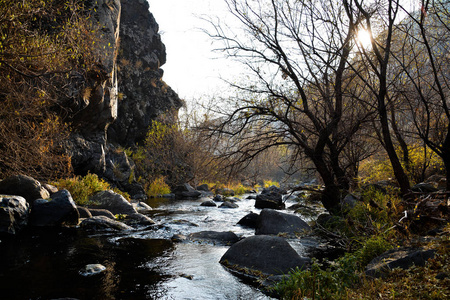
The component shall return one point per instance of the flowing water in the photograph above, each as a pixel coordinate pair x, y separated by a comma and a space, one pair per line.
143, 264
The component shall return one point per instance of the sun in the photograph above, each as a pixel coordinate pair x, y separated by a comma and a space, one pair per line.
363, 38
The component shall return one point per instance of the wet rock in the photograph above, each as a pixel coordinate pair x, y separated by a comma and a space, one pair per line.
273, 189
60, 210
113, 202
232, 199
51, 189
218, 198
92, 269
103, 223
183, 222
14, 212
228, 204
169, 196
270, 199
261, 253
251, 197
25, 186
208, 203
101, 212
178, 238
140, 206
403, 258
139, 219
84, 212
216, 237
274, 222
249, 220
186, 191
203, 187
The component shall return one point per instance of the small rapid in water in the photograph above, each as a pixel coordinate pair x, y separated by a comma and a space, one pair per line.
45, 263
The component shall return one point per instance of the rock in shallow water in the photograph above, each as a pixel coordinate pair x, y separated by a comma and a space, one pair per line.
13, 214
92, 269
270, 255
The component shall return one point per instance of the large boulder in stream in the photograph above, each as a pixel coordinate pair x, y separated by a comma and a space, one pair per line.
25, 186
274, 222
270, 255
186, 191
270, 198
216, 237
250, 220
60, 210
13, 214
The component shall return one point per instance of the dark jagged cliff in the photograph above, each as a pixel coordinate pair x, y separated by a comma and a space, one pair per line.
120, 101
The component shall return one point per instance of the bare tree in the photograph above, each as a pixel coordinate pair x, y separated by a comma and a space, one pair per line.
422, 60
300, 92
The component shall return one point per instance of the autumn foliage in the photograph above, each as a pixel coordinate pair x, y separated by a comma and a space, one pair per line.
44, 45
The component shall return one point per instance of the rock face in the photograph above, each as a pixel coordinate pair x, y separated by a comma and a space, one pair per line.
270, 255
24, 186
145, 95
274, 222
114, 105
13, 214
60, 210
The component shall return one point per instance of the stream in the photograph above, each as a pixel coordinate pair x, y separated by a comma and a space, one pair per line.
44, 263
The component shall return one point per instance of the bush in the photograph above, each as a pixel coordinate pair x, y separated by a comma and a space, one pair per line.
157, 187
82, 188
43, 43
335, 281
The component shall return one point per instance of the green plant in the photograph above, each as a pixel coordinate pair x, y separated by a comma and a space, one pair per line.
157, 187
82, 188
269, 183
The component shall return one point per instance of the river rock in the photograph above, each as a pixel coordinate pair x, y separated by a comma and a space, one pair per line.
103, 223
92, 269
218, 198
113, 202
139, 219
274, 222
186, 191
60, 210
84, 212
228, 204
403, 258
249, 220
25, 186
203, 187
270, 255
271, 199
208, 203
141, 206
216, 237
101, 212
14, 211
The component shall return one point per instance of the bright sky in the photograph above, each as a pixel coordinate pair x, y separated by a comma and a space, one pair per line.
192, 69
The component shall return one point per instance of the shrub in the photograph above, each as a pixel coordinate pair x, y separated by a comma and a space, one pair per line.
82, 188
157, 187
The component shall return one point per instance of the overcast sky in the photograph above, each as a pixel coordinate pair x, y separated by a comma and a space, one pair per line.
192, 69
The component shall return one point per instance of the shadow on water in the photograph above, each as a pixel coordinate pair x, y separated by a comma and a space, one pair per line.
45, 264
